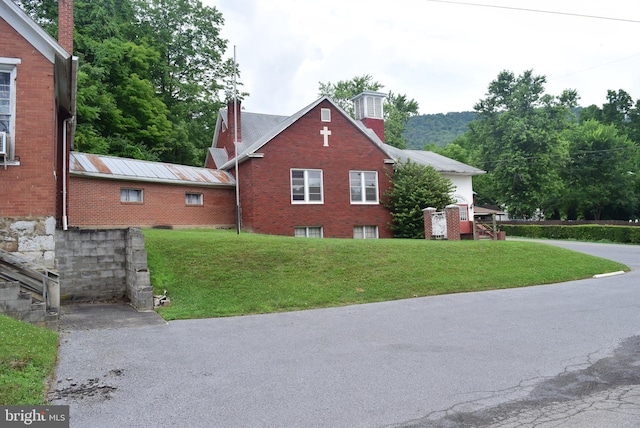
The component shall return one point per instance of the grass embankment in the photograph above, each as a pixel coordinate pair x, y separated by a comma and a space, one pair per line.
27, 356
214, 273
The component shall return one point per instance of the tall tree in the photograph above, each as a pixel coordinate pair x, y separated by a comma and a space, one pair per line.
397, 107
191, 74
518, 135
152, 75
599, 175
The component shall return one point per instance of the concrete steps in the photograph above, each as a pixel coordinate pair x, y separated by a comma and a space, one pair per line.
28, 291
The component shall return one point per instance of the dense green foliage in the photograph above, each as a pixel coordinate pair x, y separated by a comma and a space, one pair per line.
397, 110
151, 78
619, 234
544, 162
415, 187
27, 358
436, 129
213, 273
517, 134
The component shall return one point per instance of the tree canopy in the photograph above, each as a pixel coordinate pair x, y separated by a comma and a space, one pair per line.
517, 138
152, 75
542, 162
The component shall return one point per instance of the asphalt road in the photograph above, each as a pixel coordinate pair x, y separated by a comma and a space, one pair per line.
562, 355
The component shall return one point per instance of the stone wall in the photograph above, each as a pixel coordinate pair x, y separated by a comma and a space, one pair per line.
103, 264
30, 237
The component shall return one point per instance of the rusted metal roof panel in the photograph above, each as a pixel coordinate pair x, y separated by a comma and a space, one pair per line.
139, 170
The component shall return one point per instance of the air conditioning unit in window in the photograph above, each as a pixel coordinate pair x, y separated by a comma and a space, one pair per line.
3, 143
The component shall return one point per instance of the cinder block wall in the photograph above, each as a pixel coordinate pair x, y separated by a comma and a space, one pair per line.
103, 264
91, 264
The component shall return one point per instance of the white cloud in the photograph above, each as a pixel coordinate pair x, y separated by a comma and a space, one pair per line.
441, 54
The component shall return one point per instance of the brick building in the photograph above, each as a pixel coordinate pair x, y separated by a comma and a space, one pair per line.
319, 172
37, 107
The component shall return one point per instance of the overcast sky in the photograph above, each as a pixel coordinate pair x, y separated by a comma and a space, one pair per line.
442, 54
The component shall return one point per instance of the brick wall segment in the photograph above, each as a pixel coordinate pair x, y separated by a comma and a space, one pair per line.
31, 188
163, 204
265, 183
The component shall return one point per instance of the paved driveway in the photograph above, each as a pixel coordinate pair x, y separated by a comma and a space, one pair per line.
555, 355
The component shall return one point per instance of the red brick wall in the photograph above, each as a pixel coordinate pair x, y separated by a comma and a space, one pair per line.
265, 188
452, 213
96, 203
30, 189
65, 24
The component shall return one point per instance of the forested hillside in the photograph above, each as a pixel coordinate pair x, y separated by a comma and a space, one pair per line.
438, 129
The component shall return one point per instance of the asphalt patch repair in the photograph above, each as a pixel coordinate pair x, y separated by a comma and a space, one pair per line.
555, 399
99, 388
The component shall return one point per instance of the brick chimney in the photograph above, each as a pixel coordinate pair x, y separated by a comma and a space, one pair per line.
368, 109
231, 121
65, 24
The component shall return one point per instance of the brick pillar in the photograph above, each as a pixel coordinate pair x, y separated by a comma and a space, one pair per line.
428, 222
452, 213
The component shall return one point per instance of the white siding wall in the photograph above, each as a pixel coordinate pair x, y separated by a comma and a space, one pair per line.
464, 188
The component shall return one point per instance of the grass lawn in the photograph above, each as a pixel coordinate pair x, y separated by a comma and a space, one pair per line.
27, 357
216, 273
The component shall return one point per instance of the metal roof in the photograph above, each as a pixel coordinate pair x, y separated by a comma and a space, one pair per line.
258, 129
441, 163
261, 129
84, 164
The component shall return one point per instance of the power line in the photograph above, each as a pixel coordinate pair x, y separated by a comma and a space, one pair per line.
537, 11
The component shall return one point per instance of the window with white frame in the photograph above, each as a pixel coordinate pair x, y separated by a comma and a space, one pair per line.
464, 210
325, 115
7, 105
364, 187
131, 195
193, 198
365, 232
308, 232
306, 186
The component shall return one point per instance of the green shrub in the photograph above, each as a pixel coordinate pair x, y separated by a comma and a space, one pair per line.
589, 232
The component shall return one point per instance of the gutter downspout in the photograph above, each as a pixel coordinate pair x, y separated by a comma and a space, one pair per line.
67, 122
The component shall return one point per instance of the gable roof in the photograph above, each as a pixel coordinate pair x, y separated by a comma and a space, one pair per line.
115, 168
31, 31
260, 129
66, 65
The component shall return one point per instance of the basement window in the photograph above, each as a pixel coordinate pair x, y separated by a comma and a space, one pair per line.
131, 195
194, 198
308, 232
365, 232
